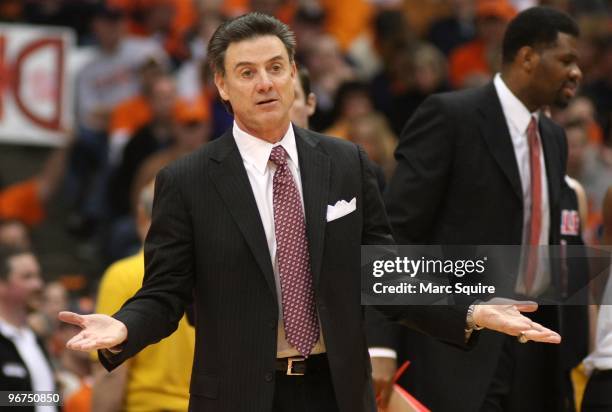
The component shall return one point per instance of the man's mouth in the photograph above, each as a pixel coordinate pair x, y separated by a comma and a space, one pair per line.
266, 102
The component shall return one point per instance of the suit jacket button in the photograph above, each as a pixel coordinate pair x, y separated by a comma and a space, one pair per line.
269, 376
272, 324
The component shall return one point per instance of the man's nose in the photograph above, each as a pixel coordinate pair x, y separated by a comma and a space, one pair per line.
264, 83
576, 73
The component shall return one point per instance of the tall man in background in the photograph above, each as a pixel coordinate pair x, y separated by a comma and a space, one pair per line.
485, 166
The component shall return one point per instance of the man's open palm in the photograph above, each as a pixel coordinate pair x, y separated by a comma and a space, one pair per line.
98, 331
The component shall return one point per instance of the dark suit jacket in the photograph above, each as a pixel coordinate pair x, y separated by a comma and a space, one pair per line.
457, 183
207, 239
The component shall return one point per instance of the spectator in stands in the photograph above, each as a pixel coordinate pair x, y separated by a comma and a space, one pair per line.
599, 363
192, 130
454, 30
26, 200
166, 21
14, 233
305, 102
328, 70
108, 79
158, 377
474, 63
112, 74
372, 132
351, 102
131, 114
152, 137
24, 364
577, 142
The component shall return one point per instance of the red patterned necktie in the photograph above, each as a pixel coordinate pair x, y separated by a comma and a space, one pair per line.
299, 310
535, 224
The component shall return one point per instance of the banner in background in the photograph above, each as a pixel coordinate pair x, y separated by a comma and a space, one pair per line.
35, 89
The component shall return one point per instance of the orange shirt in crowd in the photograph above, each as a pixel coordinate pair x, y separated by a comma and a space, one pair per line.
130, 115
347, 19
21, 201
467, 60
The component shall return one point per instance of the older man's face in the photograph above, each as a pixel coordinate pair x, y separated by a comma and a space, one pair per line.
258, 82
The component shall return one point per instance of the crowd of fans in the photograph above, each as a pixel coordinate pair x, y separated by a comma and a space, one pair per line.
145, 97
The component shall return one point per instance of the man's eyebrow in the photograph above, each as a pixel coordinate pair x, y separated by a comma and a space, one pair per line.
247, 63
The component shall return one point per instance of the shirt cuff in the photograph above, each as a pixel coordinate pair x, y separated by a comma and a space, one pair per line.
382, 353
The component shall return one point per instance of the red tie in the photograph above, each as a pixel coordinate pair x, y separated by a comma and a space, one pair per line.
299, 310
535, 225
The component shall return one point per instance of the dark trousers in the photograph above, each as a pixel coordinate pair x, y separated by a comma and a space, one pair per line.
598, 392
525, 380
313, 392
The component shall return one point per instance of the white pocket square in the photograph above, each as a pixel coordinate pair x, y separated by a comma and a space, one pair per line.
341, 208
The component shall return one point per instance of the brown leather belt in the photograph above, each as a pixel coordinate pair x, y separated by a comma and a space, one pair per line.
298, 366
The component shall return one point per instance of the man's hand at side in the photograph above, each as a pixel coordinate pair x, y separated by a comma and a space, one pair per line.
98, 331
504, 315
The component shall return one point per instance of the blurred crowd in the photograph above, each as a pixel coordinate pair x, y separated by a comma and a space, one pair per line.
145, 97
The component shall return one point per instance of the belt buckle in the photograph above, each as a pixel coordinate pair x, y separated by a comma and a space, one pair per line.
290, 365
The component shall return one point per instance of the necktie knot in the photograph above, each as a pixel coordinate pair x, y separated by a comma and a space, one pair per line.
278, 156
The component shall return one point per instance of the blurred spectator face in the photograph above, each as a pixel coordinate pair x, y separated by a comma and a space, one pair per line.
492, 17
258, 82
192, 134
108, 31
355, 105
491, 29
576, 146
555, 76
14, 233
163, 98
581, 108
158, 16
364, 134
429, 69
55, 299
23, 285
303, 106
325, 56
149, 72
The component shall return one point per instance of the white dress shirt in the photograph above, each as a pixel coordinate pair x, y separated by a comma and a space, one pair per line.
41, 375
517, 119
255, 153
601, 357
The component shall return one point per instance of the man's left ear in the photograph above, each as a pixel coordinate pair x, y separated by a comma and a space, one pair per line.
293, 69
220, 83
529, 58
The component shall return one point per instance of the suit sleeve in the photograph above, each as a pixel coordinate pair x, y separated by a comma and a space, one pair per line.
424, 156
154, 312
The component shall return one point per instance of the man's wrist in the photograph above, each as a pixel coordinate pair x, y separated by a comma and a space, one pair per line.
470, 322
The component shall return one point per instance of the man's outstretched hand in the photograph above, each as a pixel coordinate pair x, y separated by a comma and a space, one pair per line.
504, 315
98, 331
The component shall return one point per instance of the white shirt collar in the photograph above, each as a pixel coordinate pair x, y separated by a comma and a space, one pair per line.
11, 331
256, 151
515, 111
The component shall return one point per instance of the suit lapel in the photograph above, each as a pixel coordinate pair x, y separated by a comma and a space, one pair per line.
314, 171
551, 159
495, 131
229, 176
